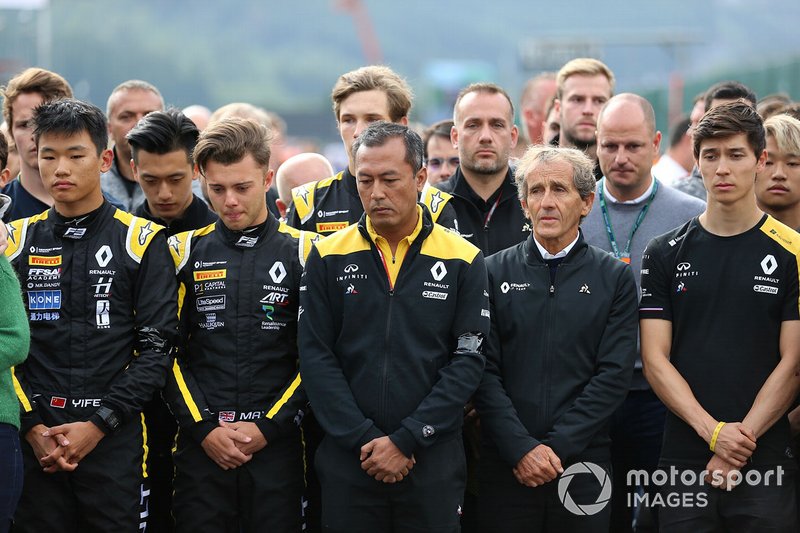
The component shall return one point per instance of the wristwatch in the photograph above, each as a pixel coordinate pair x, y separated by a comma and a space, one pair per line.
109, 418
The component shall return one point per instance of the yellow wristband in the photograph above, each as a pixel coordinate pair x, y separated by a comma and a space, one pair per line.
714, 436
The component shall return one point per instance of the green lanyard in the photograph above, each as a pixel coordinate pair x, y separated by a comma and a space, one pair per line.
625, 256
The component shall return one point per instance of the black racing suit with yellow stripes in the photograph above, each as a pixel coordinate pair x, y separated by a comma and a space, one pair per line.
392, 355
332, 204
103, 316
238, 302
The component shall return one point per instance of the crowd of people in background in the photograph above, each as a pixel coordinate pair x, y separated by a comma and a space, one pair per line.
472, 326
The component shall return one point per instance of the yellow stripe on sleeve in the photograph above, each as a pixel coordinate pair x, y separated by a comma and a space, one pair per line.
145, 447
187, 397
285, 398
26, 403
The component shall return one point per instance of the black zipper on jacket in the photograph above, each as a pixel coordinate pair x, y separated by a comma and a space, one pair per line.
387, 334
548, 348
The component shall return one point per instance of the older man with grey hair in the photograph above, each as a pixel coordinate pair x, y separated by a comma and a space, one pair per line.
128, 102
545, 400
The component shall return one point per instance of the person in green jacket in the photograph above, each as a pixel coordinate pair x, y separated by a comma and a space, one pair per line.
14, 344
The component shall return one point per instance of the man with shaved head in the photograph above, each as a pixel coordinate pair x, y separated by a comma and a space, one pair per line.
298, 170
630, 208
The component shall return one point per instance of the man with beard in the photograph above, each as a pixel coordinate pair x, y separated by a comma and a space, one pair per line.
484, 195
584, 85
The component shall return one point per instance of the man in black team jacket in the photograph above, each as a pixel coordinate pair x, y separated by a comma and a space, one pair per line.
235, 387
392, 320
559, 359
488, 213
361, 97
161, 146
103, 316
721, 341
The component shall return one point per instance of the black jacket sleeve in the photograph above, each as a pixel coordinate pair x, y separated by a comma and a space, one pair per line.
156, 316
498, 415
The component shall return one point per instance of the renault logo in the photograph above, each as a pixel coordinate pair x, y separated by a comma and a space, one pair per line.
438, 271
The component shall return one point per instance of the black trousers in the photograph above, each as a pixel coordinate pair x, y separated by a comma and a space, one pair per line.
507, 506
107, 492
762, 504
427, 500
264, 494
161, 430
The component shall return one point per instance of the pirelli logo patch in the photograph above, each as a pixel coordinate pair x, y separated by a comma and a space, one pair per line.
205, 275
43, 260
323, 227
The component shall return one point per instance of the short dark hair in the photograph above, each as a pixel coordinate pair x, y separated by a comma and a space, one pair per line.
729, 90
378, 133
437, 129
3, 152
678, 131
483, 88
772, 104
727, 120
793, 110
162, 132
230, 140
71, 117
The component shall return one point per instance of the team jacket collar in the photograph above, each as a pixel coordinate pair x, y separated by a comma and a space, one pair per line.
349, 182
535, 258
249, 238
194, 217
424, 231
461, 186
79, 227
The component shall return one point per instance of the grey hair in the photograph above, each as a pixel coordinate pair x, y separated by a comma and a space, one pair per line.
133, 85
582, 167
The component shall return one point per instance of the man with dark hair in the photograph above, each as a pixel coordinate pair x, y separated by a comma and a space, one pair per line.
728, 91
720, 333
393, 316
126, 105
161, 146
23, 93
360, 97
103, 317
718, 94
235, 387
484, 197
677, 162
546, 403
441, 157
